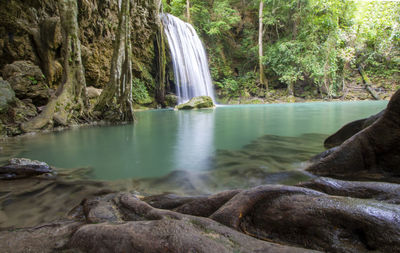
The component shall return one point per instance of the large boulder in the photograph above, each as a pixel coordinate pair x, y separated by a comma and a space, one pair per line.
7, 95
354, 217
349, 130
27, 81
371, 154
197, 103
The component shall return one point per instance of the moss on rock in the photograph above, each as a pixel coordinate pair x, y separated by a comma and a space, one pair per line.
196, 103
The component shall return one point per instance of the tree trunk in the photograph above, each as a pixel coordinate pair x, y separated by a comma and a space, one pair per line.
296, 20
160, 62
188, 10
291, 89
69, 103
115, 102
260, 45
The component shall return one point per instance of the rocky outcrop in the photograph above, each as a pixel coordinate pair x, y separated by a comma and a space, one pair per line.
156, 230
262, 219
349, 130
31, 31
32, 53
371, 154
389, 193
196, 103
27, 81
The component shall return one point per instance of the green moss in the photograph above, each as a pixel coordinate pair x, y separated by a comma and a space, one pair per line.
33, 80
197, 103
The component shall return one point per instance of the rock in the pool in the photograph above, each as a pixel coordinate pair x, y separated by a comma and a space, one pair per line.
23, 168
196, 103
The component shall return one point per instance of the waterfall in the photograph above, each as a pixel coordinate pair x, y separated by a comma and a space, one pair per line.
189, 59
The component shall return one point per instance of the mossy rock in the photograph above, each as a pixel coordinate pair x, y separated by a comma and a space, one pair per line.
171, 100
196, 103
7, 95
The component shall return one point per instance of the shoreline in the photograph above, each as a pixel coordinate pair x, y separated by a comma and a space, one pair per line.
246, 102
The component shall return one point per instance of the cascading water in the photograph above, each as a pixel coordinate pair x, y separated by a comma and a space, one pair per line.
192, 75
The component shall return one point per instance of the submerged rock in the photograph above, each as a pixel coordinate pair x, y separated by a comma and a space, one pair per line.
23, 168
196, 103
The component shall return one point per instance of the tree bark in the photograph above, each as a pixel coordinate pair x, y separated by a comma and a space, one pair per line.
260, 45
69, 103
291, 89
115, 102
161, 62
188, 10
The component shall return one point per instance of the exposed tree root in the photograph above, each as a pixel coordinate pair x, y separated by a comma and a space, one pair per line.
68, 105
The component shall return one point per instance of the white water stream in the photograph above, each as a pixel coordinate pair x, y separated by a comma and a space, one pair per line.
189, 59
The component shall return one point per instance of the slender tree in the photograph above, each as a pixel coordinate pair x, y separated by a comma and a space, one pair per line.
260, 45
188, 10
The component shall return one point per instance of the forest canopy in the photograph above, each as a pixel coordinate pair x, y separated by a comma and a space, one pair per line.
316, 46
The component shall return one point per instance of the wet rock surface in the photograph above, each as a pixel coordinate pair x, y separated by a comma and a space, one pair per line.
371, 154
386, 192
196, 103
260, 219
23, 168
350, 129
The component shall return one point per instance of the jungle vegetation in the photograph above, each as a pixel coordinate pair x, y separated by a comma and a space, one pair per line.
315, 46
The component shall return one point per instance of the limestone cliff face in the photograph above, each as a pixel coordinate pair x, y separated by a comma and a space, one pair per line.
30, 31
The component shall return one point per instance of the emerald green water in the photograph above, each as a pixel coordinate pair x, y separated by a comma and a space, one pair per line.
163, 141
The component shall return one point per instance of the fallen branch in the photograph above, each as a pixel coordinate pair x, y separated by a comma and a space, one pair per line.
367, 83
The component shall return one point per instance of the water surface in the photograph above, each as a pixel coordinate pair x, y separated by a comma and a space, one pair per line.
163, 141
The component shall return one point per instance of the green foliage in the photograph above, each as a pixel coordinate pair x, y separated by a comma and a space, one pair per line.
33, 80
223, 18
314, 43
244, 85
139, 92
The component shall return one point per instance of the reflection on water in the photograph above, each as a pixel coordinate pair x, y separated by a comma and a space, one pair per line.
195, 140
163, 141
186, 152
